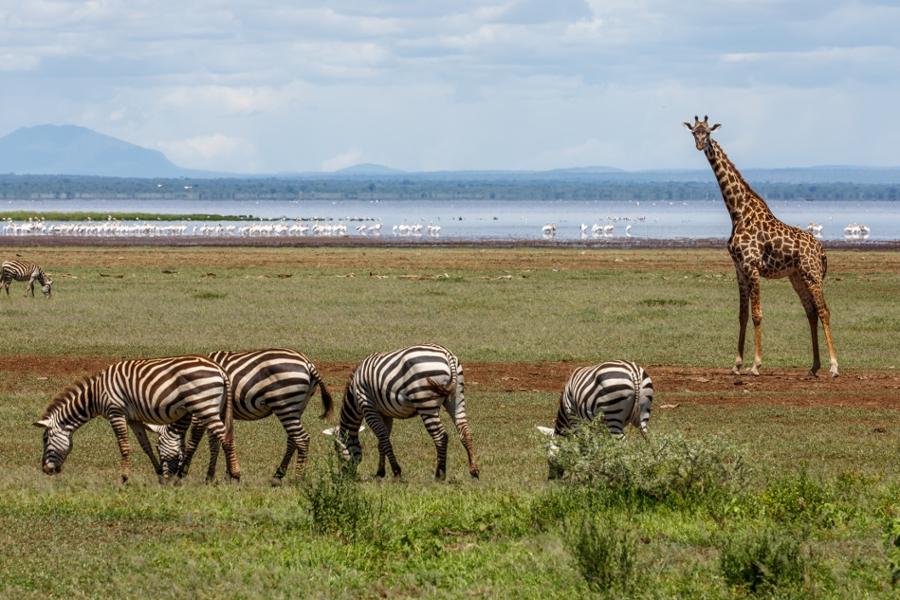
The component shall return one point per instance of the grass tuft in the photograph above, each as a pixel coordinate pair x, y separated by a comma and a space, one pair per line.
762, 560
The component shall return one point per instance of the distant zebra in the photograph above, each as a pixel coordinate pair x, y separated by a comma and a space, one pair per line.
263, 382
135, 392
620, 390
16, 270
412, 381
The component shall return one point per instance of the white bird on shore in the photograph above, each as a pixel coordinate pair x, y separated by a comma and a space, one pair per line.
549, 230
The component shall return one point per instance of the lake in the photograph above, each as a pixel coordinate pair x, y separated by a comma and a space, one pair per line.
510, 219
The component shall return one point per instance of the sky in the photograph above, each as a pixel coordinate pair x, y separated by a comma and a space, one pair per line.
253, 86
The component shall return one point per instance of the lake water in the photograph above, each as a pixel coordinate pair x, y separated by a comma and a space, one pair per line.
515, 220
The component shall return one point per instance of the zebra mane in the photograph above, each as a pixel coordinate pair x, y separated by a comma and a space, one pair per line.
66, 396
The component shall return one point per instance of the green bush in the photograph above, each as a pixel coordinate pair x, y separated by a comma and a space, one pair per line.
665, 468
338, 505
800, 498
893, 540
761, 560
604, 555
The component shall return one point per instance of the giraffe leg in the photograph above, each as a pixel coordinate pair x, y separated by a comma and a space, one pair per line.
388, 425
439, 435
120, 428
743, 315
815, 289
376, 422
756, 314
812, 316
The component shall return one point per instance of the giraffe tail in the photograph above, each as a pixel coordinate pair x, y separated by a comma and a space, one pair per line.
824, 265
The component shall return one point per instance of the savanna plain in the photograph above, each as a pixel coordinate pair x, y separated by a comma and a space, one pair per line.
780, 485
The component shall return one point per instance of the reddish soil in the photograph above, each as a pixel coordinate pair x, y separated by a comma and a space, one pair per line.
676, 385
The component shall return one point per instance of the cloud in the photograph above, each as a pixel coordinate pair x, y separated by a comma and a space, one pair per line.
342, 161
18, 62
210, 152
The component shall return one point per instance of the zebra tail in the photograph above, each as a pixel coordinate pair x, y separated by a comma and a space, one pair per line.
637, 379
442, 390
229, 409
327, 403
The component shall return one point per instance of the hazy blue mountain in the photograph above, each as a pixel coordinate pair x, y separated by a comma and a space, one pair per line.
73, 150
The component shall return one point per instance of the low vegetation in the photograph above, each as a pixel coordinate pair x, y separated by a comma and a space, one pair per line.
738, 495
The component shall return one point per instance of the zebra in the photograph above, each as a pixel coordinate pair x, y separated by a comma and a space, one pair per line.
279, 381
138, 392
619, 389
16, 270
417, 380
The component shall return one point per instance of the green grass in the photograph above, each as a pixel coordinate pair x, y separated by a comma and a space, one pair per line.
823, 477
657, 316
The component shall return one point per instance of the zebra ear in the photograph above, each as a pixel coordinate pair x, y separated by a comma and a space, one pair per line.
545, 430
45, 423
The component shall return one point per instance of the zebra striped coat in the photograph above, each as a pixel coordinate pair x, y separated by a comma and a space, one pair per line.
134, 392
278, 381
16, 270
620, 391
418, 380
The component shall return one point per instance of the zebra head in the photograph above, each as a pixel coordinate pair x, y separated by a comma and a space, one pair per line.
46, 288
57, 445
170, 446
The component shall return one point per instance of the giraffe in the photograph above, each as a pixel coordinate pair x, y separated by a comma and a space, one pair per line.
762, 246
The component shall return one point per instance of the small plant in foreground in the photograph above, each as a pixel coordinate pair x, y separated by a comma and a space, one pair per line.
337, 504
760, 560
893, 540
604, 555
666, 468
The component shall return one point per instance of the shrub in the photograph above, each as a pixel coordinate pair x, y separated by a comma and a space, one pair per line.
667, 468
760, 560
603, 554
893, 540
338, 505
800, 498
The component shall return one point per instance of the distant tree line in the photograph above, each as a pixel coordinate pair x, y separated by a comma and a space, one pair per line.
24, 187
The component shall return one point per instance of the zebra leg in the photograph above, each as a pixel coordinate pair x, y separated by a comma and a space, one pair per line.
297, 439
439, 435
120, 428
190, 447
388, 425
213, 459
29, 288
141, 434
457, 410
376, 422
215, 428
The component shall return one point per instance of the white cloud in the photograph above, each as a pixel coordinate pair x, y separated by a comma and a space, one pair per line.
342, 161
210, 152
18, 62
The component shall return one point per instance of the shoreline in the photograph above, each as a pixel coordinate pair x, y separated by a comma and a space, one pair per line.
391, 242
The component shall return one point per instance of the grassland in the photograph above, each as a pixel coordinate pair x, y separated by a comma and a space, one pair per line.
823, 457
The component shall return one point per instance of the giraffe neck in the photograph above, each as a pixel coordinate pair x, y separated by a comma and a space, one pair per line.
740, 199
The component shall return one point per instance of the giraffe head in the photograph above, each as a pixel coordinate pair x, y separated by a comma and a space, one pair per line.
701, 131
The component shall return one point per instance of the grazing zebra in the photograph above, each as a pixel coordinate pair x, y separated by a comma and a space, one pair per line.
16, 270
620, 390
263, 382
135, 392
412, 381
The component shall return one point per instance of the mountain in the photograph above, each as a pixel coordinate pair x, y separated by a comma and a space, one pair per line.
73, 150
368, 169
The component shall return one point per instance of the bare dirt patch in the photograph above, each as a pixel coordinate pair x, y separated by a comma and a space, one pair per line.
872, 389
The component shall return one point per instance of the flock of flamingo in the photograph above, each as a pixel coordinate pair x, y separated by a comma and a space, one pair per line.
117, 228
